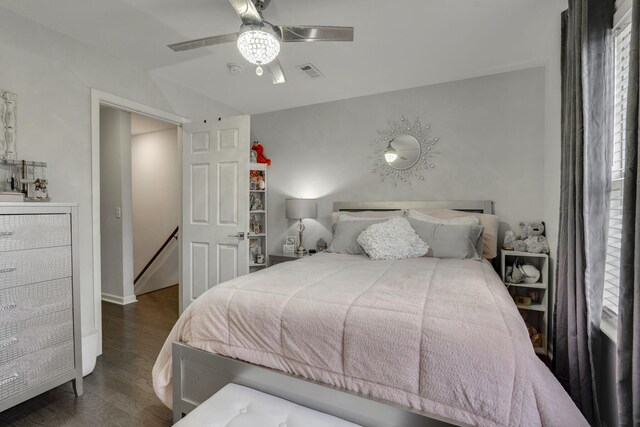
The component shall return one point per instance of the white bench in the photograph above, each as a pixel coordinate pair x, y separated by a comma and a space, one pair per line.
239, 406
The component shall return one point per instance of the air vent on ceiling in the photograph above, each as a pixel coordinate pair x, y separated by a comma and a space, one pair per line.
310, 70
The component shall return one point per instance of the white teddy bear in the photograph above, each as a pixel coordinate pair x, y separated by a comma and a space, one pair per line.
529, 239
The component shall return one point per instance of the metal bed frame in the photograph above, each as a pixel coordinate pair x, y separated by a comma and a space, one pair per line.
198, 375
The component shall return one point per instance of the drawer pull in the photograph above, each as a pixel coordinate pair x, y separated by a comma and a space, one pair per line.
11, 341
8, 307
6, 233
10, 379
7, 270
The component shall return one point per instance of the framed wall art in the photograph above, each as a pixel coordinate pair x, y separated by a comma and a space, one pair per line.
8, 125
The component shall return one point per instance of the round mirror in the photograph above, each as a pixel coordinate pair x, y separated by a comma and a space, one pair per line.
402, 152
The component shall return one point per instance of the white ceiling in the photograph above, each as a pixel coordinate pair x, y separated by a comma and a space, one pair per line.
398, 44
143, 124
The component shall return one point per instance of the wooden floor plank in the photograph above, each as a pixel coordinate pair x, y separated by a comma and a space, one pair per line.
119, 392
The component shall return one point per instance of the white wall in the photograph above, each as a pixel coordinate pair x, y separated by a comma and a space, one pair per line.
162, 273
156, 183
115, 192
52, 75
492, 139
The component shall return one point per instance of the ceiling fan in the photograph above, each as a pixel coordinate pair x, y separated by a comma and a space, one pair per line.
259, 41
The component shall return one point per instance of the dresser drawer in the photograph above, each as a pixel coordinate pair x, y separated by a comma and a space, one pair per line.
24, 302
34, 231
19, 268
21, 338
15, 329
36, 368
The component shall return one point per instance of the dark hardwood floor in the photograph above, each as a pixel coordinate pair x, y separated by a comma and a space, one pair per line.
119, 392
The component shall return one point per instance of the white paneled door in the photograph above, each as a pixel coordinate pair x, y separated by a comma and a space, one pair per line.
215, 204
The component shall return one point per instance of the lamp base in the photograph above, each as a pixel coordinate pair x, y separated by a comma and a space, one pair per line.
300, 250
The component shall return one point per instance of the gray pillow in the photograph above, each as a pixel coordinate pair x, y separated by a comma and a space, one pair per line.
450, 241
345, 235
479, 246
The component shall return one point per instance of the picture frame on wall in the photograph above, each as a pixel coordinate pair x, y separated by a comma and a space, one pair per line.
8, 125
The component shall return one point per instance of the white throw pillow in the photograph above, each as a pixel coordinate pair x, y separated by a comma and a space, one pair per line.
393, 239
463, 220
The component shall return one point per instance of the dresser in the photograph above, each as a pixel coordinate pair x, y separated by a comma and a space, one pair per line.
40, 337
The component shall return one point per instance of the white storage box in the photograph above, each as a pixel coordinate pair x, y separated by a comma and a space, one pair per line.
245, 407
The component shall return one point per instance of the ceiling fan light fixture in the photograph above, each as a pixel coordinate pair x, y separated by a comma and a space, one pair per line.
390, 153
258, 44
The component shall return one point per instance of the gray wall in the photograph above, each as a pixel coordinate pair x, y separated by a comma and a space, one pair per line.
52, 75
491, 130
115, 192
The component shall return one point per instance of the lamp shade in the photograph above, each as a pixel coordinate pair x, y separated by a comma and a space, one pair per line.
300, 208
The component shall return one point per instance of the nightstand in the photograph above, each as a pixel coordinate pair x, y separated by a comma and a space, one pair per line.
282, 257
535, 312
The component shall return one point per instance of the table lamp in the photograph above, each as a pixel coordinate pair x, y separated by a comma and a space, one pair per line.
300, 209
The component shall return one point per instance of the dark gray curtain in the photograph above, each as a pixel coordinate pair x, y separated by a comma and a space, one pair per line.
587, 130
629, 304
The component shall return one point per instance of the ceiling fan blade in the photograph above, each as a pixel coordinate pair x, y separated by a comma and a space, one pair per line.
246, 11
204, 42
275, 69
311, 33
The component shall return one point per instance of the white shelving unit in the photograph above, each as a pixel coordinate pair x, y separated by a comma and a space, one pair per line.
257, 241
537, 313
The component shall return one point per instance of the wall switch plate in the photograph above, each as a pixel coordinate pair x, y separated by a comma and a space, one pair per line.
118, 213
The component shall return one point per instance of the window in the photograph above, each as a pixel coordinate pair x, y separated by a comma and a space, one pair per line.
612, 270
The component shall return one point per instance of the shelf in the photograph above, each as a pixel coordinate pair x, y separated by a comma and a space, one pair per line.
523, 254
528, 285
13, 162
532, 307
540, 350
257, 194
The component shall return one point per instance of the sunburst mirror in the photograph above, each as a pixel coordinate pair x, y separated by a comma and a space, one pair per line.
403, 152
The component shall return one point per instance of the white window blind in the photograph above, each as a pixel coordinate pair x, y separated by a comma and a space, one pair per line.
612, 270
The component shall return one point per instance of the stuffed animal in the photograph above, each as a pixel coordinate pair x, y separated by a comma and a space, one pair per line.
530, 238
535, 336
517, 275
259, 149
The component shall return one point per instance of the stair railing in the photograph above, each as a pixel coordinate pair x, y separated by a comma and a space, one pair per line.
158, 252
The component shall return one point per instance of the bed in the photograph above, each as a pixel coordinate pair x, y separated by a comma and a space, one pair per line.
422, 341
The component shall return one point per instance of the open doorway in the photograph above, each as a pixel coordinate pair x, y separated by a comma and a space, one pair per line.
140, 182
149, 120
132, 146
156, 177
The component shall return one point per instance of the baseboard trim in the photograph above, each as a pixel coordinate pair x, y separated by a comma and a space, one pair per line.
116, 299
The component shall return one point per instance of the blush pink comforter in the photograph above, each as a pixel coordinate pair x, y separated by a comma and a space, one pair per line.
439, 336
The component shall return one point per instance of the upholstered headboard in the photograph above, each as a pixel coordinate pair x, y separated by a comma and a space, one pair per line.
479, 206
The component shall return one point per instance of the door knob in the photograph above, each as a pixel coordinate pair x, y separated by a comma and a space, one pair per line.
239, 235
